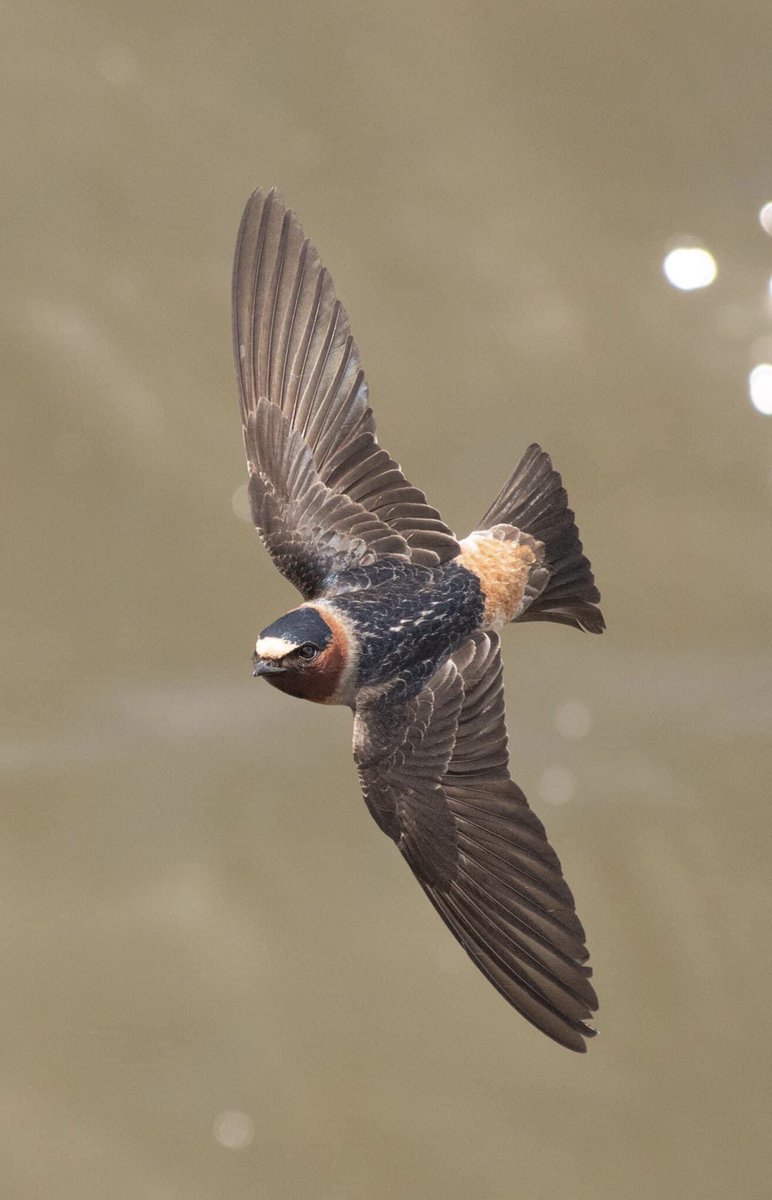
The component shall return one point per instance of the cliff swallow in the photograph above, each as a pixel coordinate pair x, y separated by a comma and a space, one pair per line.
400, 621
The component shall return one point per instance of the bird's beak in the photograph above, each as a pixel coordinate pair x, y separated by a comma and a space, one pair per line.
266, 666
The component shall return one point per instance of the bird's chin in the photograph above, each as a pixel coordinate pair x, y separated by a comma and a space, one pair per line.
284, 681
316, 686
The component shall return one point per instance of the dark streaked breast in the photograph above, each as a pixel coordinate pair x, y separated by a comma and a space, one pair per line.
408, 620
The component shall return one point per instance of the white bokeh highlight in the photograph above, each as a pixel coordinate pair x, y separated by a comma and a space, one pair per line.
689, 268
760, 388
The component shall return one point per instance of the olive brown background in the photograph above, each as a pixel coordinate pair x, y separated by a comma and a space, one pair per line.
218, 977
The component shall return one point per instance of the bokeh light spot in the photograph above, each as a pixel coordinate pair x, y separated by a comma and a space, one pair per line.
118, 66
689, 268
573, 720
557, 785
765, 217
234, 1130
240, 503
760, 388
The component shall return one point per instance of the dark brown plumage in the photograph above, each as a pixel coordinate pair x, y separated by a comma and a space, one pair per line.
401, 621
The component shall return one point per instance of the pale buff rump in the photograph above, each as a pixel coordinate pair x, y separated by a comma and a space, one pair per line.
502, 559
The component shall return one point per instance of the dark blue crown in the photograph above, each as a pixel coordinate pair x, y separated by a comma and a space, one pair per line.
302, 625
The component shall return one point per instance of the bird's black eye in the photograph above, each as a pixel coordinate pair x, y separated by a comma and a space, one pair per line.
308, 651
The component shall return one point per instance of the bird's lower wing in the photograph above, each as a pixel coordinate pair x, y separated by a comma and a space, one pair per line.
478, 851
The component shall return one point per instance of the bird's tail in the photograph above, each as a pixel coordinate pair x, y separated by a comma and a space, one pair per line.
534, 500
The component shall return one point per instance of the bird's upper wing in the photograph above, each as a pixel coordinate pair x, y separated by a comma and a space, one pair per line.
435, 777
324, 494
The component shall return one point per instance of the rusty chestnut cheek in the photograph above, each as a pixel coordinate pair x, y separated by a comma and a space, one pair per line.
314, 677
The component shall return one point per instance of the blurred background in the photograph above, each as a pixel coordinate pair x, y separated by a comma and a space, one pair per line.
219, 978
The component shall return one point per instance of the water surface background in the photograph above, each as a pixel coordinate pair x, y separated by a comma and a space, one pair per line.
219, 978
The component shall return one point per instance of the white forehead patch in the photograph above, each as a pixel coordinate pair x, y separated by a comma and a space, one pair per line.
273, 647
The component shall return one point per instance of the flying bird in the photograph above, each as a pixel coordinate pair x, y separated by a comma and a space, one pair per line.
400, 621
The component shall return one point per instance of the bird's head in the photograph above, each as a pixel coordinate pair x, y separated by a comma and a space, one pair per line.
304, 653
